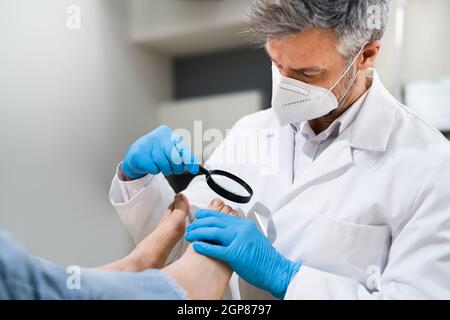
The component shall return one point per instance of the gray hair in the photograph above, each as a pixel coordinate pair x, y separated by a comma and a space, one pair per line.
354, 22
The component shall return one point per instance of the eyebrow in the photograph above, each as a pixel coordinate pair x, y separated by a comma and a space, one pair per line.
311, 69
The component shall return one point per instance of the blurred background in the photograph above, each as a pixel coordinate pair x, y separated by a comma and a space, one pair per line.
73, 97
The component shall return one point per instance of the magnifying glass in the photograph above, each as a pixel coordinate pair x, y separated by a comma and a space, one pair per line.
228, 185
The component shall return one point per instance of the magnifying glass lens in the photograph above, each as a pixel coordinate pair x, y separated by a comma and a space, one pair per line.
230, 185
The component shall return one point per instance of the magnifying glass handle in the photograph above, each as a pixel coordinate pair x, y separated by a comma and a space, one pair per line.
204, 171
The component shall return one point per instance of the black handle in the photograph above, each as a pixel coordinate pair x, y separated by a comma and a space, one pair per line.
204, 171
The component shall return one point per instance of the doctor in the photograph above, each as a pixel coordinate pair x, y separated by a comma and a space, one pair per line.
359, 207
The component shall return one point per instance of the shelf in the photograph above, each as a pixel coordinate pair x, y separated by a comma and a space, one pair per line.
179, 28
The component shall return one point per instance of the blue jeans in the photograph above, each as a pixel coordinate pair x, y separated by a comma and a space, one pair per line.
27, 278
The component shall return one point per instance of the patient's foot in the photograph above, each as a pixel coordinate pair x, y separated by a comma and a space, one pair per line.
201, 276
153, 251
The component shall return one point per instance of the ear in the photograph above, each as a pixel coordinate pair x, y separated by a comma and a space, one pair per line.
370, 54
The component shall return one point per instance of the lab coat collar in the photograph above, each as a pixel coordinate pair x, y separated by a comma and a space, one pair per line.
373, 126
338, 126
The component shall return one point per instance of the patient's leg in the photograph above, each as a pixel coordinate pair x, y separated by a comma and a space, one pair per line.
200, 276
153, 251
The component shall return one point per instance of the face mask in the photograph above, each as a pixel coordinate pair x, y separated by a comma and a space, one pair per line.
295, 101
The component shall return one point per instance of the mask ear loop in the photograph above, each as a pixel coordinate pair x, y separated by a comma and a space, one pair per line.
348, 90
347, 70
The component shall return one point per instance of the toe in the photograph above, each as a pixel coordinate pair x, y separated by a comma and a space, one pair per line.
226, 209
167, 213
181, 205
216, 205
234, 213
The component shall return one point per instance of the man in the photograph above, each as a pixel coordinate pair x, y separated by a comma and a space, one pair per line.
359, 206
133, 277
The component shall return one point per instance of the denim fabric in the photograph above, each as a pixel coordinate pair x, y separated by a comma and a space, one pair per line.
24, 277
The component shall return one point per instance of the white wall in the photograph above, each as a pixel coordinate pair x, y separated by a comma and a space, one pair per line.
426, 43
71, 102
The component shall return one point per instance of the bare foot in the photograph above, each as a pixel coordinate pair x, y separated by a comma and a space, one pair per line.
153, 251
201, 276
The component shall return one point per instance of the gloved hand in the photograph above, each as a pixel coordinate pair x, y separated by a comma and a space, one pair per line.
159, 151
248, 252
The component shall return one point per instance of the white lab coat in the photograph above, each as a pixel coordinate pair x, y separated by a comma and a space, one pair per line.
369, 219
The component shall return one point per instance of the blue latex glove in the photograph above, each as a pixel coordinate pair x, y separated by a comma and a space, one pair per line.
159, 151
248, 252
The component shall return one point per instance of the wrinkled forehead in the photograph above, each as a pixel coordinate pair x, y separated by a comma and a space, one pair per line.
313, 47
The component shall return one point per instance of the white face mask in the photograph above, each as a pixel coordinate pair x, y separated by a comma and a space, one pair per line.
295, 101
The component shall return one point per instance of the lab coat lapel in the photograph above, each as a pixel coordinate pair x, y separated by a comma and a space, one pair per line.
373, 127
332, 161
